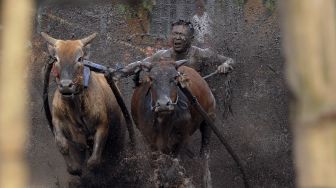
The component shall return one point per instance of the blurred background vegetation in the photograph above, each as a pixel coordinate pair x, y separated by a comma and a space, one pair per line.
269, 4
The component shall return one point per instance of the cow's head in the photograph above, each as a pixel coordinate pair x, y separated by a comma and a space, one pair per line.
68, 67
164, 77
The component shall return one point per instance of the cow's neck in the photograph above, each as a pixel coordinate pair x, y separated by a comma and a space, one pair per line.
163, 124
76, 102
163, 128
79, 109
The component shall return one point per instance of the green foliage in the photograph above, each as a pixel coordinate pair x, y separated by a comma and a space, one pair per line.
270, 4
123, 9
132, 10
148, 5
241, 2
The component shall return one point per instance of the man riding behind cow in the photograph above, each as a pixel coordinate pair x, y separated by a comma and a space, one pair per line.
182, 34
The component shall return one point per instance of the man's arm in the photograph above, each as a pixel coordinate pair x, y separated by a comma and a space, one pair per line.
225, 64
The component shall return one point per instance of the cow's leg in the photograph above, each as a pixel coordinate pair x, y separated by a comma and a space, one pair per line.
205, 154
75, 159
180, 142
98, 146
61, 141
71, 154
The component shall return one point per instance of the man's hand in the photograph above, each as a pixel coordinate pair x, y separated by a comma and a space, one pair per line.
225, 67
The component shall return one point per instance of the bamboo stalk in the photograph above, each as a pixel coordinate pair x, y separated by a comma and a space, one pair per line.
310, 44
16, 18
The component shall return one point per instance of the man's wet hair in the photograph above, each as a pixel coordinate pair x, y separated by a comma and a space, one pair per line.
184, 23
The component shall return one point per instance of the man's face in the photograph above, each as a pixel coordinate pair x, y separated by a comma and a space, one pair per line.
181, 38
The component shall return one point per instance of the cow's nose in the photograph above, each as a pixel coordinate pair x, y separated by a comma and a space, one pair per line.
66, 83
164, 104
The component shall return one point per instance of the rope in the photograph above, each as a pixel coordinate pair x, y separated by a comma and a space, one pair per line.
127, 116
48, 67
198, 107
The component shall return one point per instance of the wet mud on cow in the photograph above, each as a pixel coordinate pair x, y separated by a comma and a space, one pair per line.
88, 124
165, 116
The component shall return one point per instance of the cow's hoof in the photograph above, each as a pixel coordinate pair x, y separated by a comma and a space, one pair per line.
75, 171
93, 163
62, 145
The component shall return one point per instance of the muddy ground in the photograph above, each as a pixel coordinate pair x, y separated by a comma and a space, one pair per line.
258, 127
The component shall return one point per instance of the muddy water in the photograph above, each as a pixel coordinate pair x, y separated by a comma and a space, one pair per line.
257, 128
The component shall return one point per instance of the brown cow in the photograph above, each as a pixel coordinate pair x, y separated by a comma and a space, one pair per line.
88, 124
164, 115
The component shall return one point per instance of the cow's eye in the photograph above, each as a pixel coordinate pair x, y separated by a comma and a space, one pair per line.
80, 59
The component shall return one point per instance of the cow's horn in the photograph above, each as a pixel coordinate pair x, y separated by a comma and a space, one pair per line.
88, 39
48, 38
180, 63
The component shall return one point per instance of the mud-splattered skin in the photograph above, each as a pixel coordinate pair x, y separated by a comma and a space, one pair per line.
164, 115
181, 38
87, 117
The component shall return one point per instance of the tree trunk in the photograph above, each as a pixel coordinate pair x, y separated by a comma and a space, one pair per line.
15, 32
310, 45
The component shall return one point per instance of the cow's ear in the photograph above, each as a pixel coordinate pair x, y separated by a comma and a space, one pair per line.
87, 51
52, 50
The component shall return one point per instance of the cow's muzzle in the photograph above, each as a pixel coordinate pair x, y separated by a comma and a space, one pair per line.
164, 105
67, 87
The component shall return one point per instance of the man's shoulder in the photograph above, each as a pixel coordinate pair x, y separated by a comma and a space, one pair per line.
201, 52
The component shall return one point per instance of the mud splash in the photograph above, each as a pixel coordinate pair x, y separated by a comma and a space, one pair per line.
169, 173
